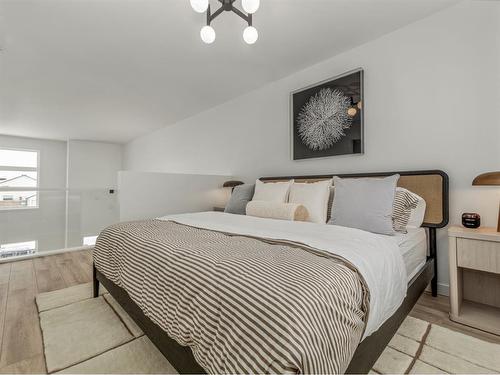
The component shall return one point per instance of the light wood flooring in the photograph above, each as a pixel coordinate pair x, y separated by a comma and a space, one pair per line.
21, 349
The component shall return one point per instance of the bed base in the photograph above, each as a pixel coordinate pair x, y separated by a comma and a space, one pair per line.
181, 357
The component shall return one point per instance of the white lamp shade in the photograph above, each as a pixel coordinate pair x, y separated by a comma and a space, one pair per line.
207, 34
199, 6
250, 35
250, 6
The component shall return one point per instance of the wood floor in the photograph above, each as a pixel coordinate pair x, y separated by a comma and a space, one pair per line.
21, 349
20, 337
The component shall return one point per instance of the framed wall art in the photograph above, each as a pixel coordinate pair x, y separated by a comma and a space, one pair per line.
327, 118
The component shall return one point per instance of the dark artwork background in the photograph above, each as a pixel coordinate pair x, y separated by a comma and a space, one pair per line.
351, 85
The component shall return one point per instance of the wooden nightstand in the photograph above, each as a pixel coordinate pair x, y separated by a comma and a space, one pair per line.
475, 277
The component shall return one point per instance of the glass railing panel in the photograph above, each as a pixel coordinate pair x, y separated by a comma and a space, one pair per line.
60, 219
43, 224
89, 212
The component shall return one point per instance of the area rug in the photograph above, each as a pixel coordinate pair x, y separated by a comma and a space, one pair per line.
423, 348
84, 335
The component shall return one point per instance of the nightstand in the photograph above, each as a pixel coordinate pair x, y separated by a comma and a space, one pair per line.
475, 277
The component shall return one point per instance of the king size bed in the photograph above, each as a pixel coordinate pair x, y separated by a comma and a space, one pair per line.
223, 293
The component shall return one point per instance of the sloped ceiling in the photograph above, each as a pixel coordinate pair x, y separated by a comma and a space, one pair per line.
112, 70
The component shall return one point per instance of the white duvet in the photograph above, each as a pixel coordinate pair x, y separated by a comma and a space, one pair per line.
377, 257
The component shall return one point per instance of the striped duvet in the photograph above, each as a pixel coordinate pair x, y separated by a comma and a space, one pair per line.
243, 304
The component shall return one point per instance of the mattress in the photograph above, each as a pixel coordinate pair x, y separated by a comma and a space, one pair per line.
413, 248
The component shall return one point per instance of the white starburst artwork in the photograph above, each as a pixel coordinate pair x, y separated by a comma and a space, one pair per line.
323, 119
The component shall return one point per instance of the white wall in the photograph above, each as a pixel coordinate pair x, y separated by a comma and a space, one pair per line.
93, 165
431, 101
148, 195
92, 172
44, 224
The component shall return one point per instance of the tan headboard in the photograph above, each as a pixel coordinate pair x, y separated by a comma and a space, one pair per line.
430, 185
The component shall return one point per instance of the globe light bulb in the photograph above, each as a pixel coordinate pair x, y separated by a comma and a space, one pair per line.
250, 6
250, 35
199, 6
207, 34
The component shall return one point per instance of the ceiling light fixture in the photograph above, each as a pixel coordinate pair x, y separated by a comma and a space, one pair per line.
250, 6
207, 33
199, 6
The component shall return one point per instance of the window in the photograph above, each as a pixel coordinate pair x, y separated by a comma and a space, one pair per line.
18, 179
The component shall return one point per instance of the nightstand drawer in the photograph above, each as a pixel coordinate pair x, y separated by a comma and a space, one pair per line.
478, 255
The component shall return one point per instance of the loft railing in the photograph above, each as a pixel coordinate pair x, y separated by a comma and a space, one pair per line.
34, 221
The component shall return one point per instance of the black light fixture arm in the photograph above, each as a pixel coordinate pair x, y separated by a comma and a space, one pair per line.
228, 6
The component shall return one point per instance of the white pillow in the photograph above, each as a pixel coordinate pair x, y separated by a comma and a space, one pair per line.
417, 215
313, 196
272, 191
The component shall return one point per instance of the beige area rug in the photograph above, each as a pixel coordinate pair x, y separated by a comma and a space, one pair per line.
423, 348
83, 335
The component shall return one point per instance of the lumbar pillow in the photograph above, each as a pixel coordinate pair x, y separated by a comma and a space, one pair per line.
365, 203
276, 210
272, 191
313, 196
241, 195
404, 203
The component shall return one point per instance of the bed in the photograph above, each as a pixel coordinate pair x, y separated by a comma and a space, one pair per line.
369, 321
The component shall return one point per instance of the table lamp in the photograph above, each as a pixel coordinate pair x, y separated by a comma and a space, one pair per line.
489, 179
232, 184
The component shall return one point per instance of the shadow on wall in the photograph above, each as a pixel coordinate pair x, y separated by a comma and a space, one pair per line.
145, 195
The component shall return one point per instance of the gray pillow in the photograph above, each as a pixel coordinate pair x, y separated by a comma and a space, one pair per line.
365, 203
241, 195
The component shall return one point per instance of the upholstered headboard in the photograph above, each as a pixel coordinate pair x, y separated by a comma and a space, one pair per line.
430, 185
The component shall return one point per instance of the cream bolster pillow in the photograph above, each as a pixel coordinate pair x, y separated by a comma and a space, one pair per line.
277, 210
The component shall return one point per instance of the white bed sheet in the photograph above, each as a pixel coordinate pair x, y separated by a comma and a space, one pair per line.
413, 248
377, 257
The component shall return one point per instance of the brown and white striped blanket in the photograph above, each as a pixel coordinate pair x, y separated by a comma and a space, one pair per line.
243, 304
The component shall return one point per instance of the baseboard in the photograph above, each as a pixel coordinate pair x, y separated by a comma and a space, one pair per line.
443, 289
44, 254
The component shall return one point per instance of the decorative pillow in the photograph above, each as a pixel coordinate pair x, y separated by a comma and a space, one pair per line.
313, 196
276, 210
404, 203
330, 203
365, 203
241, 195
272, 191
417, 215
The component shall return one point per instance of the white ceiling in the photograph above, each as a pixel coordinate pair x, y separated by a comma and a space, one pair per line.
112, 70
